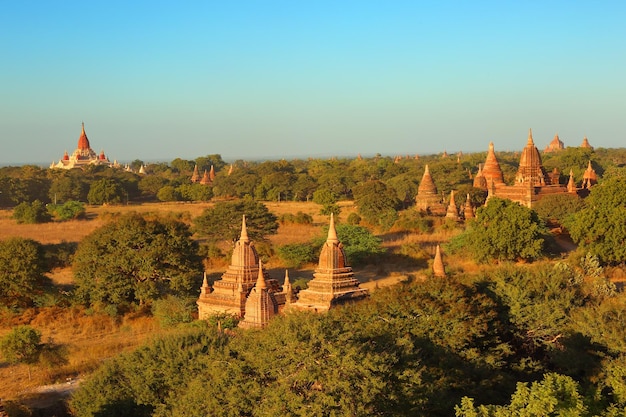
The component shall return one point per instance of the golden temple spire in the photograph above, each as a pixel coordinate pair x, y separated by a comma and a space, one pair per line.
244, 231
530, 138
260, 282
332, 232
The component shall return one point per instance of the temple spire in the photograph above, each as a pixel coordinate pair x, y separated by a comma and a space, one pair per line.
244, 231
530, 137
332, 232
260, 282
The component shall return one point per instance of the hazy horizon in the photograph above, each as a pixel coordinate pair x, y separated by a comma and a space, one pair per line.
254, 80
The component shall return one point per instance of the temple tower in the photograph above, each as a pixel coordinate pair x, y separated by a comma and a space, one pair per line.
531, 170
333, 282
452, 211
82, 156
491, 169
571, 184
479, 180
555, 146
586, 144
427, 195
261, 304
195, 177
589, 177
229, 293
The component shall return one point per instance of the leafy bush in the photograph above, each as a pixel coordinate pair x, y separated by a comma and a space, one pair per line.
414, 220
296, 254
298, 218
68, 210
31, 213
353, 219
172, 310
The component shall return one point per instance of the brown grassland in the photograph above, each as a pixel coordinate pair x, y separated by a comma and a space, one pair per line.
91, 338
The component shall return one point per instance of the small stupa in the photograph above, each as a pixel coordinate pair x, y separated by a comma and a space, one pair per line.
452, 212
438, 268
468, 210
530, 171
589, 177
586, 144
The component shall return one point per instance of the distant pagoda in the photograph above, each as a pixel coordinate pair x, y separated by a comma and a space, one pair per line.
82, 156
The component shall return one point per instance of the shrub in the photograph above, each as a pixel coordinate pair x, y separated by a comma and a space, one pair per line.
31, 213
171, 310
354, 219
68, 210
296, 254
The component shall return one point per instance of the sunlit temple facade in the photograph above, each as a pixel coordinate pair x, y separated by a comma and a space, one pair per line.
82, 156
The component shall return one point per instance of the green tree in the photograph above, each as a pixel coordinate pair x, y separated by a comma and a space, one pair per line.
223, 221
67, 186
359, 243
503, 230
377, 203
168, 193
556, 395
22, 270
68, 210
21, 345
600, 228
106, 191
194, 192
296, 254
134, 259
558, 207
31, 213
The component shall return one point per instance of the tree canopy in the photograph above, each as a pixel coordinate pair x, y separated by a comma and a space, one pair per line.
600, 228
22, 269
223, 221
503, 230
135, 259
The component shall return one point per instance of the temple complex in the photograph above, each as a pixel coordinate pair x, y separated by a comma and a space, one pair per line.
82, 156
333, 282
531, 181
428, 198
228, 295
555, 146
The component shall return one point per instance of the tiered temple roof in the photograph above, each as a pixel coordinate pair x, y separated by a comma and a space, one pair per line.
555, 146
585, 143
531, 170
333, 282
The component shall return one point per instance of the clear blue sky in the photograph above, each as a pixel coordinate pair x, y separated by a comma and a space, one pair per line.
271, 79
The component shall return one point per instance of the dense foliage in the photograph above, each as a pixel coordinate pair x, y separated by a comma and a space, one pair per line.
522, 339
600, 227
223, 221
22, 268
503, 230
135, 259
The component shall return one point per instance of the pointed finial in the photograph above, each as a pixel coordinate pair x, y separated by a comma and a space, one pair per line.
426, 170
260, 282
287, 282
491, 148
530, 137
332, 232
244, 231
